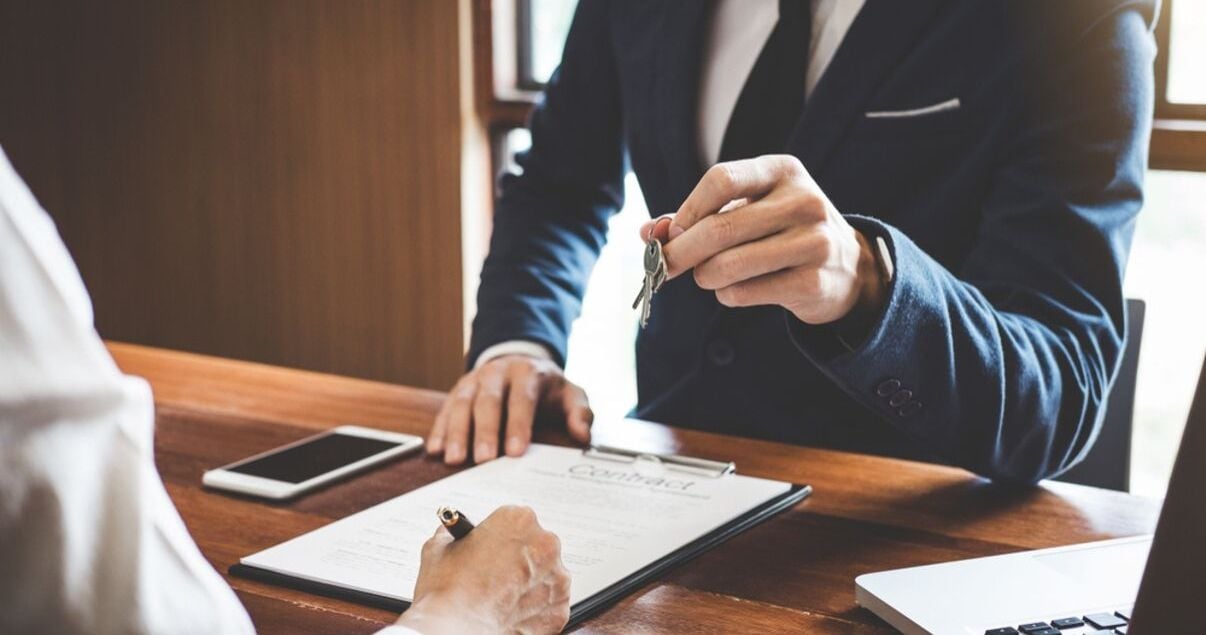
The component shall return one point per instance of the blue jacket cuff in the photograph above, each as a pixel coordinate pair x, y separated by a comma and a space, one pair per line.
883, 371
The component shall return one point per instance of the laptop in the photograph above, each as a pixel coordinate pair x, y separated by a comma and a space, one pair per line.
1133, 586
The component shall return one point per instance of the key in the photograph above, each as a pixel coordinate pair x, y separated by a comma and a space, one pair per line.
1103, 621
639, 301
649, 285
655, 276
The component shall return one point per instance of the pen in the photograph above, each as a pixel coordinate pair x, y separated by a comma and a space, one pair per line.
455, 522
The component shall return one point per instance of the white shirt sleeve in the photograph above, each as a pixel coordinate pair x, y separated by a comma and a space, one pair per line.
513, 347
396, 629
89, 540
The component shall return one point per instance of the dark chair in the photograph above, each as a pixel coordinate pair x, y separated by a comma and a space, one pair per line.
1108, 464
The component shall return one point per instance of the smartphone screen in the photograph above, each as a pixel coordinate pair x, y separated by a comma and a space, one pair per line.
314, 458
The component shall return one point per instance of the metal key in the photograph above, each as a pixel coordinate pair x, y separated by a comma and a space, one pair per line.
655, 276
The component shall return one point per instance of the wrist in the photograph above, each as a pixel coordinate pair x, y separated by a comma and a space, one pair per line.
525, 348
872, 277
431, 618
873, 283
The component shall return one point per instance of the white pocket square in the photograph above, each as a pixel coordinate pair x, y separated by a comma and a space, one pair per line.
950, 104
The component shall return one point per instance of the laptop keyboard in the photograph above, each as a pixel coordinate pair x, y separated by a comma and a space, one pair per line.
1094, 623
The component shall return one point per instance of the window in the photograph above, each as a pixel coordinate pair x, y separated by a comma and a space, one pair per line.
542, 26
1169, 246
1168, 249
1187, 34
1179, 135
1170, 242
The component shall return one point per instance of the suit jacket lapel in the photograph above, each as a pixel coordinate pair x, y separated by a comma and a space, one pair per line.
680, 58
881, 35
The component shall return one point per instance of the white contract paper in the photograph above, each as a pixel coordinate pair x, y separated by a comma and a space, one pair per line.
613, 519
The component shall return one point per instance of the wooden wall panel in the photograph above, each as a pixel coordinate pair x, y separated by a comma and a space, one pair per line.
275, 180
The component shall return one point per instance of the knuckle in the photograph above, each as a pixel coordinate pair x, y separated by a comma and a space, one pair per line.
523, 514
782, 206
810, 281
506, 512
490, 392
702, 278
824, 248
492, 374
558, 616
724, 226
789, 165
542, 373
729, 296
815, 207
464, 390
530, 387
723, 177
550, 544
804, 206
518, 370
720, 270
530, 364
731, 264
718, 229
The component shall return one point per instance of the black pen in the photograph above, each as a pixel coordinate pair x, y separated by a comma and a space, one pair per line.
455, 522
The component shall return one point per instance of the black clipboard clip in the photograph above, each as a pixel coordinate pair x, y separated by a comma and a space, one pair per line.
676, 462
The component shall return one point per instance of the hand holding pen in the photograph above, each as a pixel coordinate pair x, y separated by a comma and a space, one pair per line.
458, 579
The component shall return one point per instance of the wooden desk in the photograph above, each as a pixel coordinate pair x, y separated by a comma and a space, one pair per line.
793, 573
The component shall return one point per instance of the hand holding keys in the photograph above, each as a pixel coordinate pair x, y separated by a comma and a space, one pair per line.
761, 232
655, 276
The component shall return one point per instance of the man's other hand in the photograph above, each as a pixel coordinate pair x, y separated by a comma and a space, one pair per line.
506, 576
517, 387
761, 231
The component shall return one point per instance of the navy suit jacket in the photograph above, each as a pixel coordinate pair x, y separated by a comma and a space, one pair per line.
1009, 220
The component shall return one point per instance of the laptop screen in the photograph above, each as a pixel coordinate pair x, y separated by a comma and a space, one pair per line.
1176, 569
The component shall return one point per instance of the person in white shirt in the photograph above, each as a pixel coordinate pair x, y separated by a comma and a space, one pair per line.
89, 540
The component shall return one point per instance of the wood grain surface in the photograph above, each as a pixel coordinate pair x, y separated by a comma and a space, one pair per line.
252, 179
794, 573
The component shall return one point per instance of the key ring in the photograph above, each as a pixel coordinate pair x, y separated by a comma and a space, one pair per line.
653, 227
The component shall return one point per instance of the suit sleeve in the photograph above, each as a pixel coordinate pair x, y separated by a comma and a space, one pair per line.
1004, 365
551, 219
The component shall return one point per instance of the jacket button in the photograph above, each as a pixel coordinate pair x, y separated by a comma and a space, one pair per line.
909, 409
900, 398
888, 387
721, 353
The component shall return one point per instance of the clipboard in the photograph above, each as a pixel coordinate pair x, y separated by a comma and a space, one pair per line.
601, 600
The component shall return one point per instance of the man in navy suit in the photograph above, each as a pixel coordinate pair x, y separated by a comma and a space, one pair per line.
900, 228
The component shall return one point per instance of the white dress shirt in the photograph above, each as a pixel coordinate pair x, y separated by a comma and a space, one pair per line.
89, 540
737, 32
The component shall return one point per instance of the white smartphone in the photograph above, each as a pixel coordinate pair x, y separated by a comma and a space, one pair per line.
304, 465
